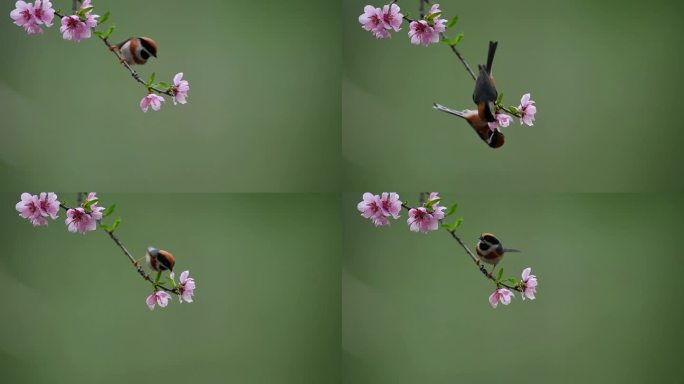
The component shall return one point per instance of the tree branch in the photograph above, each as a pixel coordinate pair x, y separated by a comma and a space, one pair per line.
475, 259
133, 261
132, 71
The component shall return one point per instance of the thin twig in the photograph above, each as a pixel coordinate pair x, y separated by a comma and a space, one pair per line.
133, 261
475, 259
132, 71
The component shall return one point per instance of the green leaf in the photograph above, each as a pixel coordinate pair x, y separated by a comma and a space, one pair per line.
452, 22
457, 39
173, 283
163, 84
151, 80
499, 98
446, 226
513, 281
457, 223
103, 18
81, 13
432, 16
498, 275
88, 203
512, 109
99, 33
451, 209
115, 224
109, 210
430, 203
105, 227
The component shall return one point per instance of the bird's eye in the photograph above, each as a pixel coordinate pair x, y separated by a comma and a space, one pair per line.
145, 55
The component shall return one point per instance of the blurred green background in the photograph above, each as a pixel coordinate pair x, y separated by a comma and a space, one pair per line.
600, 72
266, 309
608, 307
263, 111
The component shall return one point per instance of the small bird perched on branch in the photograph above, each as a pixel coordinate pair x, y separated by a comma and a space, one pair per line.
484, 95
136, 50
490, 249
159, 259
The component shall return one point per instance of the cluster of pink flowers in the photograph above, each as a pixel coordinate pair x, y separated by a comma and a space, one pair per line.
76, 28
32, 16
186, 287
527, 110
528, 284
427, 31
380, 21
378, 208
180, 89
426, 218
37, 209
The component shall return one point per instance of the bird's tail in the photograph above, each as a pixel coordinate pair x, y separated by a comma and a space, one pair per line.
490, 55
442, 108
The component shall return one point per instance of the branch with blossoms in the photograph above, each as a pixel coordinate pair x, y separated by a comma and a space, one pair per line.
82, 24
430, 29
87, 216
430, 215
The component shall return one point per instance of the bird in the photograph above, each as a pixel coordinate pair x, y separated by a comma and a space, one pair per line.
490, 249
159, 259
136, 50
485, 93
493, 137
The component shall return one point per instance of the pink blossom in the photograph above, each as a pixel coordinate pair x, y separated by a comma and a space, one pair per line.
151, 100
529, 283
421, 32
23, 14
78, 220
372, 20
33, 29
160, 298
90, 18
503, 295
371, 208
437, 209
180, 89
186, 286
74, 29
439, 23
43, 12
527, 110
391, 18
502, 120
48, 204
95, 209
420, 220
390, 205
29, 208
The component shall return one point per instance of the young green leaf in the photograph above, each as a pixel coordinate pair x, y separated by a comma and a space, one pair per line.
458, 38
103, 18
458, 222
451, 209
149, 82
88, 203
499, 98
512, 109
115, 224
82, 12
513, 281
163, 84
498, 275
109, 210
452, 22
99, 33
